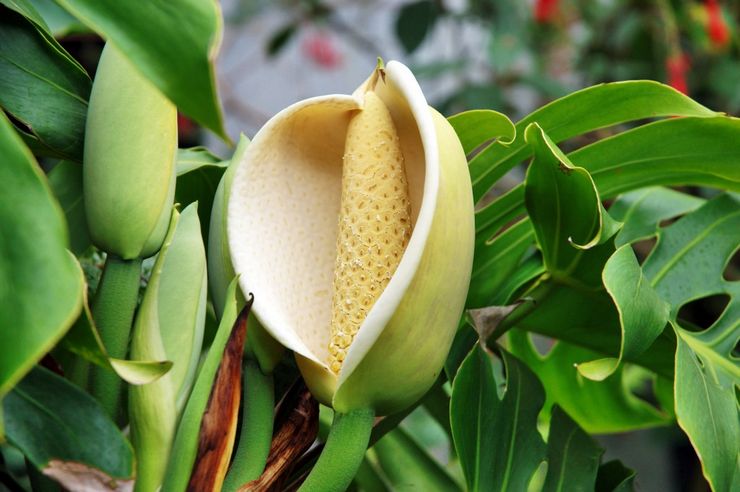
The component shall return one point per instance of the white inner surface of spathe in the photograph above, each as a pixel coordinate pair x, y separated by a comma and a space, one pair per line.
284, 208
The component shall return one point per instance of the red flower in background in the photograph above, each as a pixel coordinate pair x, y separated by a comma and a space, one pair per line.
677, 66
545, 10
716, 27
320, 48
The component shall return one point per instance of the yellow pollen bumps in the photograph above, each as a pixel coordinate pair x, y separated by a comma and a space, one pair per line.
374, 222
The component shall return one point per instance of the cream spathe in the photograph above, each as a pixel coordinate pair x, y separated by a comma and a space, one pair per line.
283, 219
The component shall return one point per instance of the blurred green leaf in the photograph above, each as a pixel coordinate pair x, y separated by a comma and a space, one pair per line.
42, 86
65, 433
65, 180
572, 456
280, 38
408, 466
172, 44
414, 22
600, 407
687, 264
40, 281
59, 21
496, 440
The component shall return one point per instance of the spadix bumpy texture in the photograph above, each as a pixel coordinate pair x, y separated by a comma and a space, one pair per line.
374, 222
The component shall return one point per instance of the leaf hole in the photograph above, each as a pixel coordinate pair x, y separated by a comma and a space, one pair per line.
542, 344
700, 314
731, 272
643, 248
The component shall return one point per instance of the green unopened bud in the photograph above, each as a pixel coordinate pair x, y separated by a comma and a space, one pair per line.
169, 326
351, 221
129, 161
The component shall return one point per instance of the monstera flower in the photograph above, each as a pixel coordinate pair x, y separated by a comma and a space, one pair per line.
351, 221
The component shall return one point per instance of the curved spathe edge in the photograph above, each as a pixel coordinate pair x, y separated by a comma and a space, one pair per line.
399, 78
273, 319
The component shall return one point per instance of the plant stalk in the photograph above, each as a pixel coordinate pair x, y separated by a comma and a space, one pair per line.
113, 311
255, 434
343, 453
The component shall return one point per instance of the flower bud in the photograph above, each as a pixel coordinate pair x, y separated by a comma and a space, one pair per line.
351, 221
129, 161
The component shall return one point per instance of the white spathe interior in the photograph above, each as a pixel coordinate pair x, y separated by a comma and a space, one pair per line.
283, 214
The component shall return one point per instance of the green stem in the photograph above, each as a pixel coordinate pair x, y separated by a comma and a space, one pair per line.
255, 435
343, 452
113, 311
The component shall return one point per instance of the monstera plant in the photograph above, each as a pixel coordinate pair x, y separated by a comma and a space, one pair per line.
349, 300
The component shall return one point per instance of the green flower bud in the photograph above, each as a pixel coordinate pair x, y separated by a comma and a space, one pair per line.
351, 221
129, 161
169, 326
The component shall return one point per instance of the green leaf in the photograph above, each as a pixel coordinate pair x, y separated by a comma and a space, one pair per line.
65, 433
415, 20
65, 180
172, 44
198, 173
642, 313
42, 86
602, 407
572, 456
60, 22
280, 38
40, 282
589, 109
615, 477
687, 264
563, 205
408, 466
496, 439
478, 126
642, 210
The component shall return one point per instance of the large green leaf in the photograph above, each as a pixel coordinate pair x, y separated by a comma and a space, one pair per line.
496, 439
581, 112
408, 466
65, 433
173, 43
66, 183
40, 282
572, 456
687, 264
600, 407
42, 86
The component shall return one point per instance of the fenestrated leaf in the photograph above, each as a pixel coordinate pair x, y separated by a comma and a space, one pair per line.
40, 281
198, 173
65, 180
408, 466
187, 444
602, 407
642, 210
172, 44
589, 109
478, 126
613, 476
687, 264
563, 205
496, 440
42, 86
415, 20
642, 313
572, 456
65, 433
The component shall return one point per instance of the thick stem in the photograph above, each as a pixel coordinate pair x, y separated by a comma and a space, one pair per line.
342, 454
255, 434
113, 311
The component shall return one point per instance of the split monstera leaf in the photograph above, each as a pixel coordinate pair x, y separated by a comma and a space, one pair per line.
350, 219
